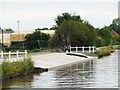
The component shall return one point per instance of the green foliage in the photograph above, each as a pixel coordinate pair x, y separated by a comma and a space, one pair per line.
116, 40
8, 30
73, 33
104, 37
115, 25
10, 69
37, 35
103, 51
66, 17
116, 46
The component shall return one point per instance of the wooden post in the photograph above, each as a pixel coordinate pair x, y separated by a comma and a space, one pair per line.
93, 49
83, 49
2, 55
9, 55
89, 49
76, 49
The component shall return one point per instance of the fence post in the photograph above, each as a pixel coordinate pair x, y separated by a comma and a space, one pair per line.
2, 54
9, 55
25, 53
83, 49
89, 49
93, 49
76, 49
17, 54
70, 48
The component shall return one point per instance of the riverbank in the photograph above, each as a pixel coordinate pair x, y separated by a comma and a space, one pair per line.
116, 46
12, 69
104, 51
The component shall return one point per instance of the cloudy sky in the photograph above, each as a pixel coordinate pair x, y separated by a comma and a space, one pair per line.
34, 14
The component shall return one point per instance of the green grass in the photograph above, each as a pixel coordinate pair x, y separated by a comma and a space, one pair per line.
103, 51
116, 46
11, 69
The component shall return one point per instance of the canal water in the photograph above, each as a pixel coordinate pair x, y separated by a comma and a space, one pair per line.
99, 73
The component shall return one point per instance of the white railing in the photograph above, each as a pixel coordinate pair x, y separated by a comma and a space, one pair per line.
90, 49
10, 54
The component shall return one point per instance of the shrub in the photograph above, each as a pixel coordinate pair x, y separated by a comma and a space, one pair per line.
10, 69
103, 51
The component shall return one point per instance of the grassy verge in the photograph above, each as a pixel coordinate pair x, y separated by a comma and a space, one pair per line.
11, 69
104, 51
116, 46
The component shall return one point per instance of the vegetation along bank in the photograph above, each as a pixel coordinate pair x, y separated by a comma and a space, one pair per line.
12, 69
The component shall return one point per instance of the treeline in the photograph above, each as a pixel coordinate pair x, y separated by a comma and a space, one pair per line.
72, 30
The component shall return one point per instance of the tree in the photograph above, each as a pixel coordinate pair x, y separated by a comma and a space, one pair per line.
105, 35
73, 33
37, 35
8, 30
66, 17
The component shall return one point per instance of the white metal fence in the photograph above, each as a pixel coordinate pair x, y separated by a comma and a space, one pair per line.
90, 49
8, 55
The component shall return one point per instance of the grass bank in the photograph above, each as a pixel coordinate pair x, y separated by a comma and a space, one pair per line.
116, 46
104, 51
11, 69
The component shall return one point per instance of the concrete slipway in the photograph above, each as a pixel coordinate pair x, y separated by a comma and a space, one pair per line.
52, 61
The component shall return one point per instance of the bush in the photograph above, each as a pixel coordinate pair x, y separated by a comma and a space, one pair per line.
10, 69
103, 51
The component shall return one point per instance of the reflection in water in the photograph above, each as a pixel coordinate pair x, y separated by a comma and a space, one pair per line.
21, 81
100, 73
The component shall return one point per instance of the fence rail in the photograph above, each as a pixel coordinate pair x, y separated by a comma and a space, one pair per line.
9, 54
91, 49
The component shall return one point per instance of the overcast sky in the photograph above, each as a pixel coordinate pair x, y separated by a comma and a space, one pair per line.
34, 14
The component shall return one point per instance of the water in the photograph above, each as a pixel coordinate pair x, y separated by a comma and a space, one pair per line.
100, 73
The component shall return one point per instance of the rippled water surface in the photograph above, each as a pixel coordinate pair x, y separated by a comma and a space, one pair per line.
99, 73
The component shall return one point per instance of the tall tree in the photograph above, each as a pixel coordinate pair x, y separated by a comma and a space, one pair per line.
66, 17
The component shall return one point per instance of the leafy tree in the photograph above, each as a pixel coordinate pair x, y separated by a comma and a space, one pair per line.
37, 35
105, 34
8, 30
66, 17
73, 33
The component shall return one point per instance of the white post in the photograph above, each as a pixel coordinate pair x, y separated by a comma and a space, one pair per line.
93, 49
25, 53
76, 49
9, 55
89, 49
83, 49
2, 54
70, 48
17, 54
